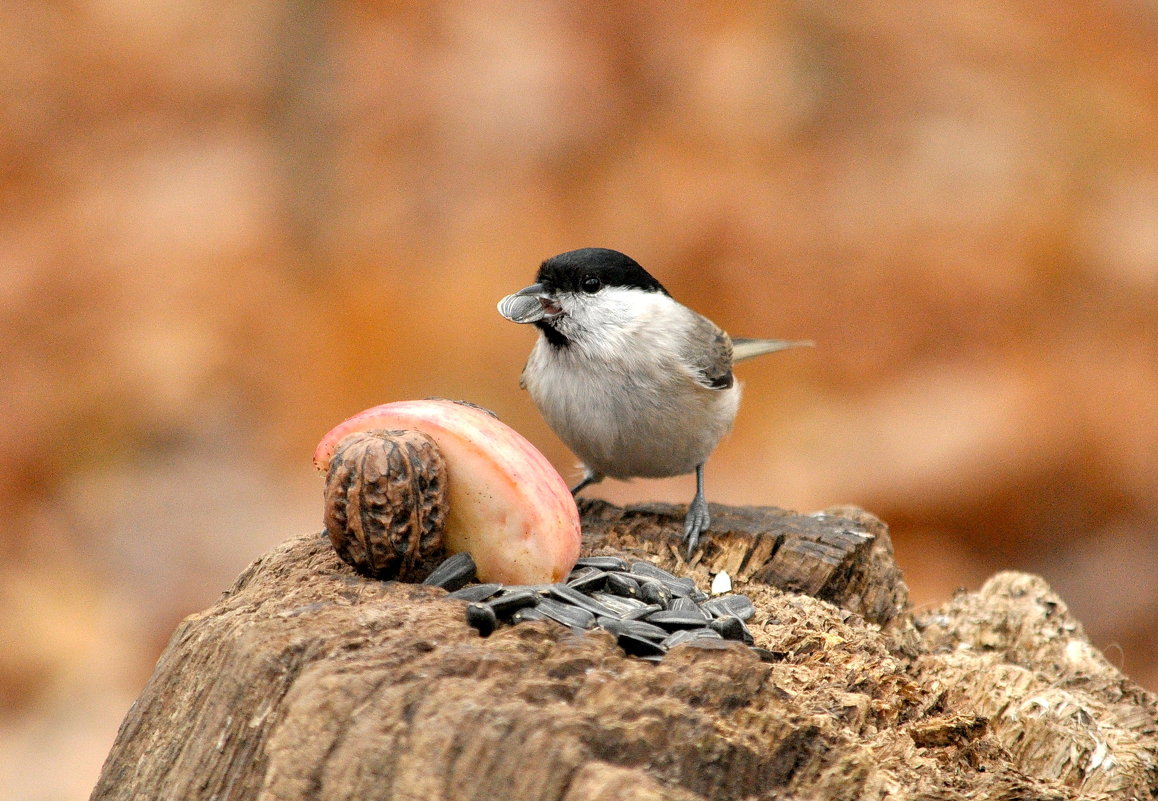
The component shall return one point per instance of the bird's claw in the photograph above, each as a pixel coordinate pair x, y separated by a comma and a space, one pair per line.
696, 523
588, 480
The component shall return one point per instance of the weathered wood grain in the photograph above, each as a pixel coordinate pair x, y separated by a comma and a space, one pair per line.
308, 681
841, 555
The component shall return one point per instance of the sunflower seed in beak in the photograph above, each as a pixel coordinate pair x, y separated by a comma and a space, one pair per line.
528, 305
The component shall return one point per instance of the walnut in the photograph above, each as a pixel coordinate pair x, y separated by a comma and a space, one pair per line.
385, 503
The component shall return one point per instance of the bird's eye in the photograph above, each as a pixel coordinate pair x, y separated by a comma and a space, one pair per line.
590, 284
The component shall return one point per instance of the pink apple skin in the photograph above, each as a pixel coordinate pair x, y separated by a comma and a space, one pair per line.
508, 507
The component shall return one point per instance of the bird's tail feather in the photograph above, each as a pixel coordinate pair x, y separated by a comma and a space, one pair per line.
744, 348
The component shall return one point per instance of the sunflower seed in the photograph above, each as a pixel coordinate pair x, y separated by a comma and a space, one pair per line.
453, 573
475, 592
572, 596
506, 604
688, 635
677, 584
566, 614
636, 628
591, 580
654, 592
638, 646
735, 605
622, 584
527, 614
602, 562
671, 619
622, 606
731, 628
482, 617
642, 612
579, 572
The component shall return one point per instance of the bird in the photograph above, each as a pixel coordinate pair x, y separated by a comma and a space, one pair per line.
636, 384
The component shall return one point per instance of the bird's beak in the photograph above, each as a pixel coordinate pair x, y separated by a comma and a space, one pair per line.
529, 305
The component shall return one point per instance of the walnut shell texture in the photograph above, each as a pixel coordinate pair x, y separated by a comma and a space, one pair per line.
385, 503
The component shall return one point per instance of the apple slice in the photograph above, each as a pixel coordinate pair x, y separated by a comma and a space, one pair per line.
508, 507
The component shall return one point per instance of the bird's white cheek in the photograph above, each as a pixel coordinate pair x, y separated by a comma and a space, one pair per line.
612, 319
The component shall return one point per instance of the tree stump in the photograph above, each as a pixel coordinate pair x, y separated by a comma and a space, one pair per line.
307, 681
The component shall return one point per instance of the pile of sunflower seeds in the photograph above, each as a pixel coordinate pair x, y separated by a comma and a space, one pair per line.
646, 608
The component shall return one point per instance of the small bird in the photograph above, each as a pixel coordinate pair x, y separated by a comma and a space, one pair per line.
636, 384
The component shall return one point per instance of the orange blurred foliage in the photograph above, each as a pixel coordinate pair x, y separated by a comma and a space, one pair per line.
227, 226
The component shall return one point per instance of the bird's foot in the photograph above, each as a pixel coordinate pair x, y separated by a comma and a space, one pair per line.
588, 480
696, 522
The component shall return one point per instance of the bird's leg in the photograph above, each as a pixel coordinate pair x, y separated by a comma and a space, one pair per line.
589, 477
698, 519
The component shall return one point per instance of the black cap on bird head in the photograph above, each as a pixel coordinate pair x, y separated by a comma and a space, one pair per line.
590, 269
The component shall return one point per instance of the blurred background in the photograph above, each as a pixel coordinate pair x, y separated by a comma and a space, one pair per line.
228, 224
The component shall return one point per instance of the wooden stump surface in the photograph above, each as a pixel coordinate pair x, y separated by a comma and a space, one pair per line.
308, 681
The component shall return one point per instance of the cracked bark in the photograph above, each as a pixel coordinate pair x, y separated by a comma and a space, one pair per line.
307, 681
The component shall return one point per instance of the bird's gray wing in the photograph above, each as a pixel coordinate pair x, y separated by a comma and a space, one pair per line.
707, 351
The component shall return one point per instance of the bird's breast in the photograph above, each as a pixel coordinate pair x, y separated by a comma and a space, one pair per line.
626, 419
